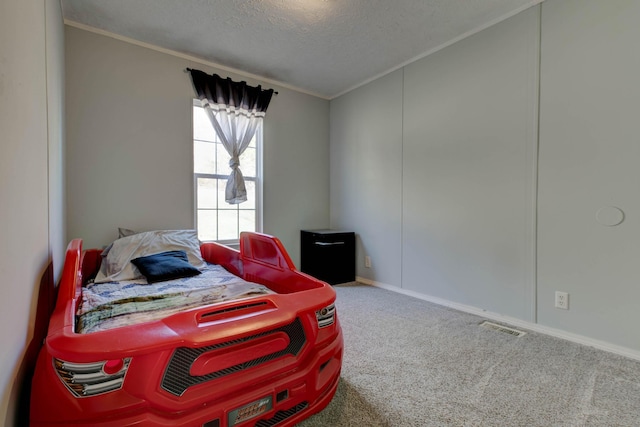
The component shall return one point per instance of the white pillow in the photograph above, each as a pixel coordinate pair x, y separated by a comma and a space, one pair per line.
118, 266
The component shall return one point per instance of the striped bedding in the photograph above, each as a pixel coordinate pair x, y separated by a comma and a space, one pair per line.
114, 304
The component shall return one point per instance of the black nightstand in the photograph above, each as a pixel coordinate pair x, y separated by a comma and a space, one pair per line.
328, 255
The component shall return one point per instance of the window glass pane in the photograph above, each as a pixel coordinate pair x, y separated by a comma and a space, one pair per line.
204, 157
222, 185
248, 162
207, 193
247, 220
216, 219
228, 225
223, 160
251, 195
202, 127
207, 225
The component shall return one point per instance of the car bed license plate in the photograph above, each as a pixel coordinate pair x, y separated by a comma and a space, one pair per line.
249, 411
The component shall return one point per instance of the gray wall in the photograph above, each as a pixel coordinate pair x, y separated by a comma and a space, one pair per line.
485, 224
32, 141
468, 142
366, 174
431, 166
56, 134
589, 154
130, 145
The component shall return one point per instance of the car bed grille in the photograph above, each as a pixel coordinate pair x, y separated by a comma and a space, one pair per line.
177, 380
281, 416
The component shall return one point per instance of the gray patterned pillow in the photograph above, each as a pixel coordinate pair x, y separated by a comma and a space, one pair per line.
117, 264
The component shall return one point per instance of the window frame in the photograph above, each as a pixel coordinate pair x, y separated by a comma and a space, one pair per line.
258, 180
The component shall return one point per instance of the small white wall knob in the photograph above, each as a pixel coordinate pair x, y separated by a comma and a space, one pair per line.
610, 216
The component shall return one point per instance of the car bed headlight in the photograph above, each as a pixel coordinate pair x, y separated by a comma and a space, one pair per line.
90, 379
326, 316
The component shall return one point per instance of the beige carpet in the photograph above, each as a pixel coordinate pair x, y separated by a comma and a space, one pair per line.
408, 362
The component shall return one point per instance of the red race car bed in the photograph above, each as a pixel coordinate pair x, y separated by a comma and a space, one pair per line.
158, 330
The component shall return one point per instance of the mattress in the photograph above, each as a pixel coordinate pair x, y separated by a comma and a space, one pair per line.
111, 305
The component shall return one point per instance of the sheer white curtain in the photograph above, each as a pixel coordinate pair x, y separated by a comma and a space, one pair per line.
235, 130
235, 110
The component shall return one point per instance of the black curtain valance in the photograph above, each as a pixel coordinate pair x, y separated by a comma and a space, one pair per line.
235, 110
224, 91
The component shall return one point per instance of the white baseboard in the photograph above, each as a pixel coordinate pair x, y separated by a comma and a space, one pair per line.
558, 333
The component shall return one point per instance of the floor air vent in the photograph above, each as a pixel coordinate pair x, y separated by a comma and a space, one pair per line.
501, 328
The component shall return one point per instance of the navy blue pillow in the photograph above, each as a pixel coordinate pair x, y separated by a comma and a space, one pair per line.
165, 266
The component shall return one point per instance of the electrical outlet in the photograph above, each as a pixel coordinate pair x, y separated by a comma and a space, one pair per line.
367, 261
562, 300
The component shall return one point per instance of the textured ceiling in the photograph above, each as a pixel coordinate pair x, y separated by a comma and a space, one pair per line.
323, 47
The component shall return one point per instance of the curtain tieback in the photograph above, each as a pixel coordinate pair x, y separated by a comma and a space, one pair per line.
234, 162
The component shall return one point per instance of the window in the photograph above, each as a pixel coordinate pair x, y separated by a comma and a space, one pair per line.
216, 219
